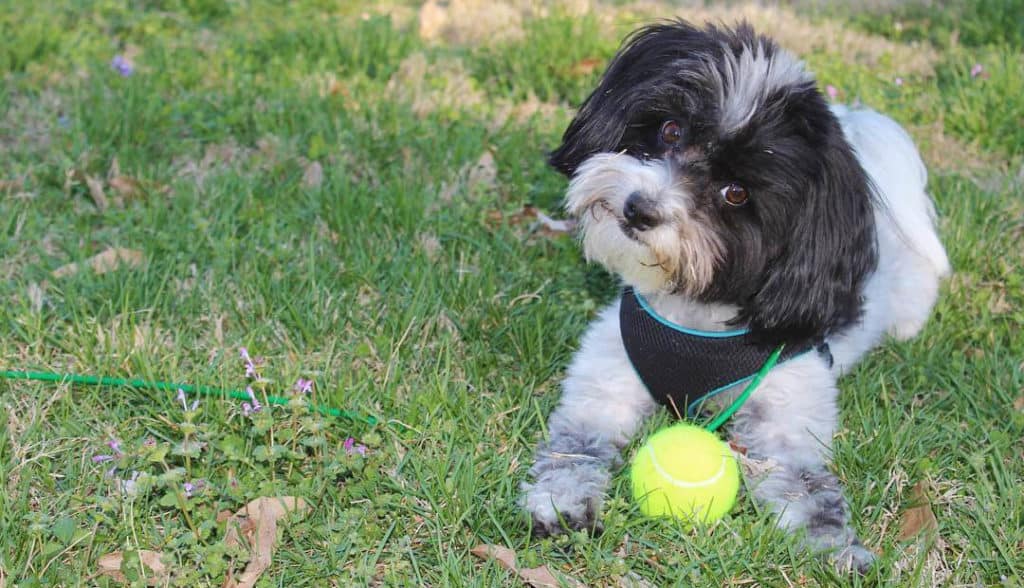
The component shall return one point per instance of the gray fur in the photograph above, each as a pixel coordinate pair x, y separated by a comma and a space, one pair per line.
746, 80
790, 420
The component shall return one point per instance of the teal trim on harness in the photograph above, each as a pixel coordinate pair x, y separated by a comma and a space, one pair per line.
677, 327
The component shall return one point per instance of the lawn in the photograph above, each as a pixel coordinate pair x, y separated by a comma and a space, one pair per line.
347, 193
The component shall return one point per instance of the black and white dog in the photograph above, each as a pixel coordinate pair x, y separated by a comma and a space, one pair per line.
710, 174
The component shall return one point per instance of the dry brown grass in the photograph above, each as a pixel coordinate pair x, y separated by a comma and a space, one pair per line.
477, 22
480, 22
945, 153
428, 86
797, 33
443, 84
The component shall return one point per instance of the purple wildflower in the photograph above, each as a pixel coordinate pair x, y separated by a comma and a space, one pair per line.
115, 447
351, 447
128, 486
102, 458
832, 91
256, 406
304, 386
898, 81
149, 443
184, 401
247, 409
250, 363
977, 69
122, 65
194, 486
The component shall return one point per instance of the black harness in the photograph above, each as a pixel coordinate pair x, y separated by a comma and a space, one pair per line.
682, 367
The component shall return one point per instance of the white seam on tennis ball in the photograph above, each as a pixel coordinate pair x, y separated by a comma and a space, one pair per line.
681, 483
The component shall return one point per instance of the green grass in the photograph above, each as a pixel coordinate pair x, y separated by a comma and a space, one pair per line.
405, 287
973, 23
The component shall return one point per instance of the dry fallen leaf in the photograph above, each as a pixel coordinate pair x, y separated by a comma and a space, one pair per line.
633, 580
539, 577
999, 305
110, 565
255, 525
539, 221
313, 176
36, 295
125, 187
586, 66
1019, 403
755, 469
919, 518
106, 261
505, 556
553, 226
432, 20
10, 186
330, 85
543, 578
430, 245
483, 173
99, 198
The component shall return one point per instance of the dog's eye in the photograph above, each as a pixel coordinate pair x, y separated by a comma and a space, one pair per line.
735, 194
671, 133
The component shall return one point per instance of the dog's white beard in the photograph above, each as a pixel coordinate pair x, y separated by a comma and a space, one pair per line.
678, 254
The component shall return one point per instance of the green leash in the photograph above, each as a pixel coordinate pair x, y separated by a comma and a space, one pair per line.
171, 387
736, 404
327, 410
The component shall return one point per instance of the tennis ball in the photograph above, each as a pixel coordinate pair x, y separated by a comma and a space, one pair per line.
686, 472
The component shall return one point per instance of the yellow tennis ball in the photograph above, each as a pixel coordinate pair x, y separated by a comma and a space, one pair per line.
686, 472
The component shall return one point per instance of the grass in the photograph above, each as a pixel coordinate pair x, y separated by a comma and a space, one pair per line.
406, 285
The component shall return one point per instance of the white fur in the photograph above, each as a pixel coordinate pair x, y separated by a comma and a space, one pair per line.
791, 417
750, 78
596, 196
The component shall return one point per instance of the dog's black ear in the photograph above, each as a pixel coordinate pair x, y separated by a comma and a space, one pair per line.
629, 83
597, 127
814, 286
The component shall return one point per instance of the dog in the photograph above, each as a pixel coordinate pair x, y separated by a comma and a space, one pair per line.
710, 174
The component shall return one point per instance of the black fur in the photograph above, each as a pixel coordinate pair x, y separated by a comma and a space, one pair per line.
798, 253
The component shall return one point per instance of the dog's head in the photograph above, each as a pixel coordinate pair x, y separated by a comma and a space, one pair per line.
707, 163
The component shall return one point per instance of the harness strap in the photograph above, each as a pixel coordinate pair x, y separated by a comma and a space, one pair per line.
682, 367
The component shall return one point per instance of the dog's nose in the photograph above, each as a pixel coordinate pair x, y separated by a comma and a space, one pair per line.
639, 212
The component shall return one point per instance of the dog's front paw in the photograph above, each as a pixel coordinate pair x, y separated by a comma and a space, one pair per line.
550, 522
566, 498
854, 558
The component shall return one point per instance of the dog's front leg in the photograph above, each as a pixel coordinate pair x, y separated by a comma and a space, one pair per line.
788, 423
603, 404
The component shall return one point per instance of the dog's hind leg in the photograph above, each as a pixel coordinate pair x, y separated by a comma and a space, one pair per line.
603, 405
